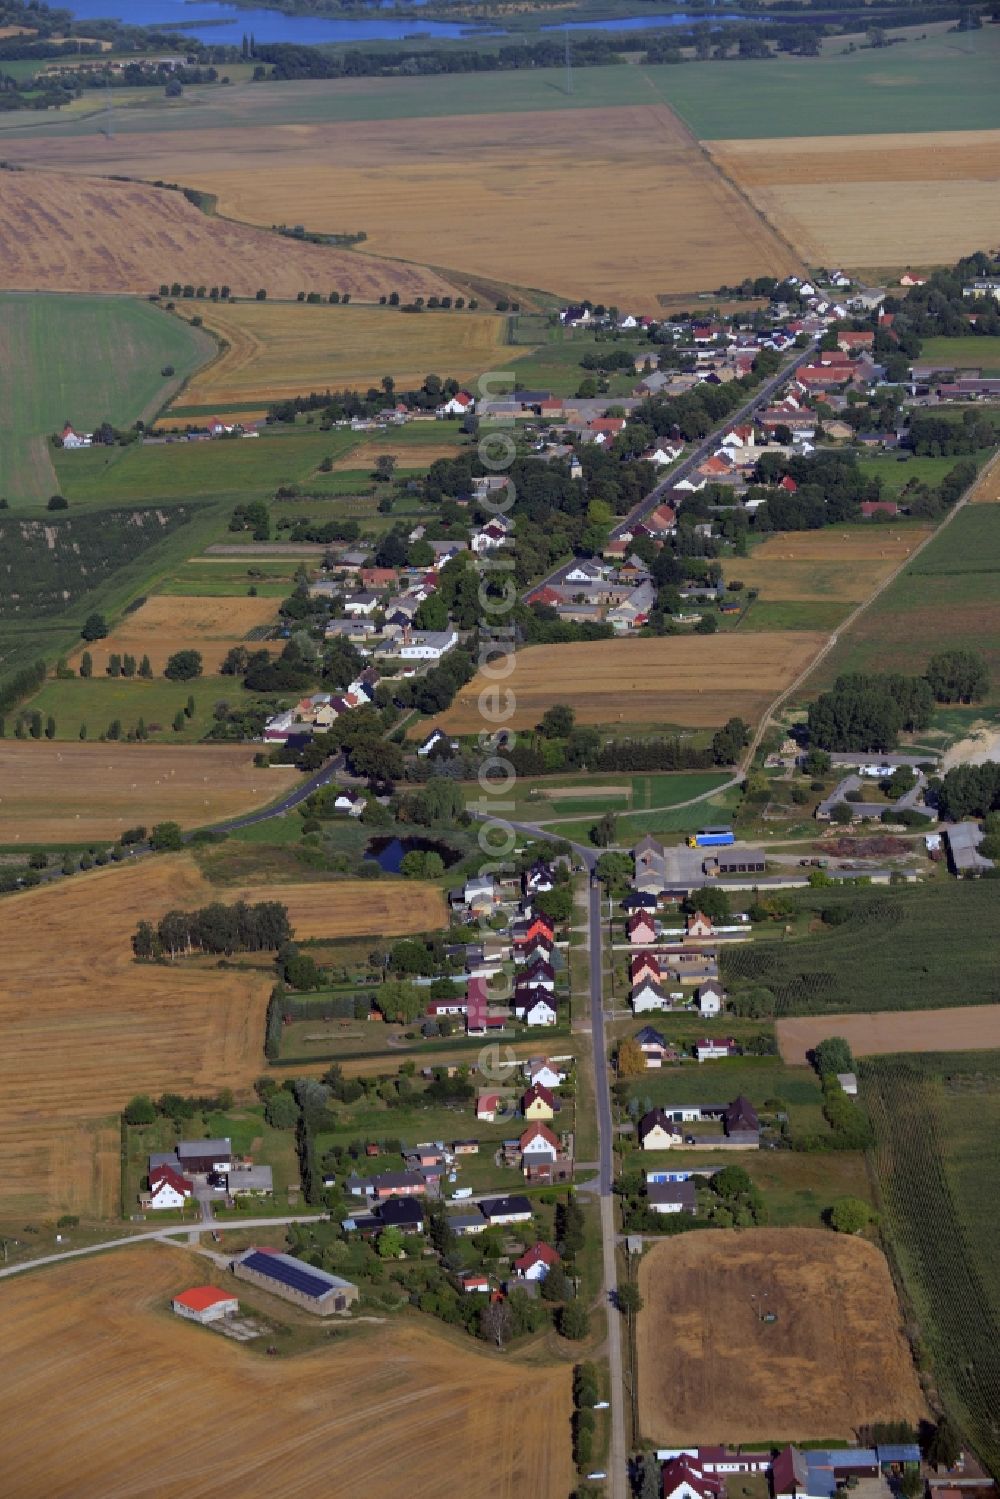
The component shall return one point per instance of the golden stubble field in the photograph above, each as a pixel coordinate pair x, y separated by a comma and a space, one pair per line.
710, 1370
496, 195
95, 1347
280, 350
83, 1027
167, 623
697, 681
52, 792
862, 200
844, 566
67, 232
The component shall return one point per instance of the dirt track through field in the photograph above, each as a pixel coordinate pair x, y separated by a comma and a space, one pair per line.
711, 1371
381, 1402
966, 1028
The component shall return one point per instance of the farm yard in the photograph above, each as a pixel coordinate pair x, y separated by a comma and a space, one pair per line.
277, 350
949, 598
965, 1028
73, 793
124, 1029
82, 359
935, 1120
129, 237
711, 1370
399, 1388
695, 681
856, 200
902, 950
167, 623
842, 564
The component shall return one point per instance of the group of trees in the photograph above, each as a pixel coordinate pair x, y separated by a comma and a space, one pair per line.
869, 712
215, 928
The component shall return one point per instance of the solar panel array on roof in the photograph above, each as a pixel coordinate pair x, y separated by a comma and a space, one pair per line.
290, 1272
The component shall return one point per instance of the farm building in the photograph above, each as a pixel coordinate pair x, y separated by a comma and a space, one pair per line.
963, 844
205, 1304
293, 1280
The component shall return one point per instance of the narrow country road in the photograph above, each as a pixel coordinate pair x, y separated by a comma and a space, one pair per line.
163, 1235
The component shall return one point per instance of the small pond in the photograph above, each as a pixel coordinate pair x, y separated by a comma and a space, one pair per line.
389, 853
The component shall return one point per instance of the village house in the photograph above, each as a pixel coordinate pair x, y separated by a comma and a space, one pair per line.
655, 1048
649, 995
709, 998
505, 1210
711, 1049
73, 439
460, 404
535, 1007
536, 1262
486, 1107
539, 1103
167, 1189
698, 925
658, 1131
542, 1070
641, 929
436, 739
672, 1197
684, 1478
538, 1146
644, 965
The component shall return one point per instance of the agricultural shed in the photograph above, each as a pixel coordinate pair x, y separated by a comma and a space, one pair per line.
205, 1304
293, 1280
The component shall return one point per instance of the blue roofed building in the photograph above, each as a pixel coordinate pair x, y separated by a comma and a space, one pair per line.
293, 1280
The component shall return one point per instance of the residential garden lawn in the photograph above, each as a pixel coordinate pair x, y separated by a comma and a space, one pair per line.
935, 1119
758, 1078
84, 360
972, 353
799, 1187
240, 468
899, 949
97, 701
949, 597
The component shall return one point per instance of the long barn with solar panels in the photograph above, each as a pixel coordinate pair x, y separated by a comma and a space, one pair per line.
294, 1280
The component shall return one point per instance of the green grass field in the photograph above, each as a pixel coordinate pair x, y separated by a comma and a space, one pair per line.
218, 578
897, 470
96, 701
240, 469
963, 353
794, 614
946, 82
555, 366
899, 949
83, 360
948, 598
938, 1171
757, 1078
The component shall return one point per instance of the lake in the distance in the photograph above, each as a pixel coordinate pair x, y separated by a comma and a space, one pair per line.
213, 21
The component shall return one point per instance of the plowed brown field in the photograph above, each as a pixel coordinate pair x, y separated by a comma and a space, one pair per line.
83, 1027
74, 233
242, 1426
52, 793
697, 681
966, 1028
167, 623
711, 1370
492, 195
861, 200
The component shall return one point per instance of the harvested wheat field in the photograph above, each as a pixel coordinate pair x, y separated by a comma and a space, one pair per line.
697, 681
281, 350
58, 793
245, 1426
84, 1028
358, 908
167, 623
861, 200
406, 454
844, 566
487, 195
61, 232
967, 1028
710, 1370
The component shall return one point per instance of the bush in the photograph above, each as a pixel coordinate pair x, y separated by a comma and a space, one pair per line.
183, 666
